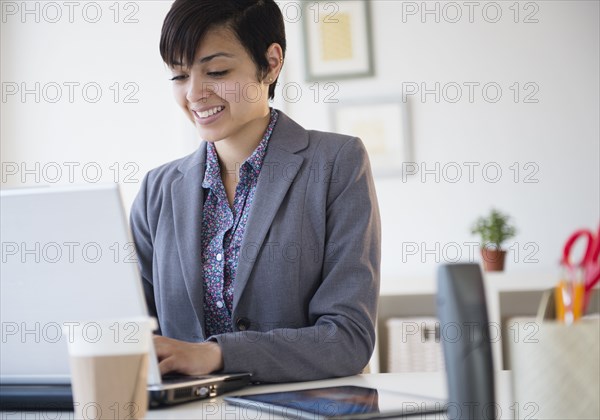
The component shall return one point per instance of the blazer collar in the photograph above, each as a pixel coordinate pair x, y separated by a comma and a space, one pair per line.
194, 160
288, 135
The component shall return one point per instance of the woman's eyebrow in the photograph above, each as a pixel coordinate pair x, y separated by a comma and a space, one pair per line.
210, 57
207, 58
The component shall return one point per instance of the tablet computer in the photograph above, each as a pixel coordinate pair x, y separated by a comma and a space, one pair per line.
339, 402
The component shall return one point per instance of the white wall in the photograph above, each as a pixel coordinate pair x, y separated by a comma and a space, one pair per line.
113, 130
559, 135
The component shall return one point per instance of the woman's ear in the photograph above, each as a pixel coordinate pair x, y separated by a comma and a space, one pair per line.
275, 60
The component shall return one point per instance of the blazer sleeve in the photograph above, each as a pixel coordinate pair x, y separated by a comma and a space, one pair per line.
342, 312
142, 238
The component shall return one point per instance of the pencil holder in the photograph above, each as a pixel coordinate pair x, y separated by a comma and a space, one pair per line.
555, 369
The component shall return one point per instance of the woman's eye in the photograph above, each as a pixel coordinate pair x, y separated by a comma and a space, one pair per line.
217, 73
178, 78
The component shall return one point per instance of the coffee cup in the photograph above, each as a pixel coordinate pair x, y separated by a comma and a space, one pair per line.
109, 367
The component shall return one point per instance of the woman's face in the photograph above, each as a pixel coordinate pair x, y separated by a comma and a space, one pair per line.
220, 92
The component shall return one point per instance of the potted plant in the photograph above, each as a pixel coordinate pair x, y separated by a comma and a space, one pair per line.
494, 230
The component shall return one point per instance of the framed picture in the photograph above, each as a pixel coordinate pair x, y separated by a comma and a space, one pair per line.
337, 39
383, 126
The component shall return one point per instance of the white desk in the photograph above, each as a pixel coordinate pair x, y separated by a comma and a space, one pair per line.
429, 384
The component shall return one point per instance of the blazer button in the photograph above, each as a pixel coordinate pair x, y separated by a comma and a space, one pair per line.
242, 324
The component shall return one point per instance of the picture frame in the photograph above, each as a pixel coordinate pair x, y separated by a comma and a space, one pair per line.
384, 128
337, 39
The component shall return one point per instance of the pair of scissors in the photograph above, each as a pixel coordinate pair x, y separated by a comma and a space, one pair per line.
576, 292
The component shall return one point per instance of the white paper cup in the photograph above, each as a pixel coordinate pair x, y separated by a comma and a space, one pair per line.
109, 366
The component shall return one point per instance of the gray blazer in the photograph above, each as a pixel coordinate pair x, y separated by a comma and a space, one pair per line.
307, 283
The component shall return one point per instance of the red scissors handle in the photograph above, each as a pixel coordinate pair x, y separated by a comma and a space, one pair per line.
595, 248
592, 250
590, 263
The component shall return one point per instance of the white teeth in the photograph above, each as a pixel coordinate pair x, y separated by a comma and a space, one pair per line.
208, 113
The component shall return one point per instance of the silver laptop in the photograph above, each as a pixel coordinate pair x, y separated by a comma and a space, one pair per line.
67, 255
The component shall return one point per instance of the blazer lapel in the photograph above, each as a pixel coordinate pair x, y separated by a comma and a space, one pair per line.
188, 200
279, 169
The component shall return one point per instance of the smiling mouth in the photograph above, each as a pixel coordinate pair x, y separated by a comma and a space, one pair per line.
209, 112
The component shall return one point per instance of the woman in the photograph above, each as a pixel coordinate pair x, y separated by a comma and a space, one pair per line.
260, 251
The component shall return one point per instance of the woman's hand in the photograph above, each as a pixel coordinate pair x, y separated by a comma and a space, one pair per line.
187, 358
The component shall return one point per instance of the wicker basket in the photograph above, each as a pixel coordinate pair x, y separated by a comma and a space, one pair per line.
414, 345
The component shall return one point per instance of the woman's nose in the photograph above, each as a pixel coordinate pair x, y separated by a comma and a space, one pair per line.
199, 89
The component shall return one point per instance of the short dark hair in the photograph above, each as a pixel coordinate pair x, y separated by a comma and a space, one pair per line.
256, 24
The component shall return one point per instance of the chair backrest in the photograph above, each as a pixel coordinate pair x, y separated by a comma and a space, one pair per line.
465, 336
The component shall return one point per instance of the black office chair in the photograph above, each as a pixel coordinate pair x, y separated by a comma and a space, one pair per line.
465, 336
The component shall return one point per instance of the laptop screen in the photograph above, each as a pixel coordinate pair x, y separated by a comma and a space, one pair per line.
65, 250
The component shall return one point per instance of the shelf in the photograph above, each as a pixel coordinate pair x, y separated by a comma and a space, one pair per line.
502, 281
507, 294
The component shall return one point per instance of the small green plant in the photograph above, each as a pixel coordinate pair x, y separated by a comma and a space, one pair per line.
494, 229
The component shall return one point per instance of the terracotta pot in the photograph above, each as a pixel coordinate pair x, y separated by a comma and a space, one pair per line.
493, 259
